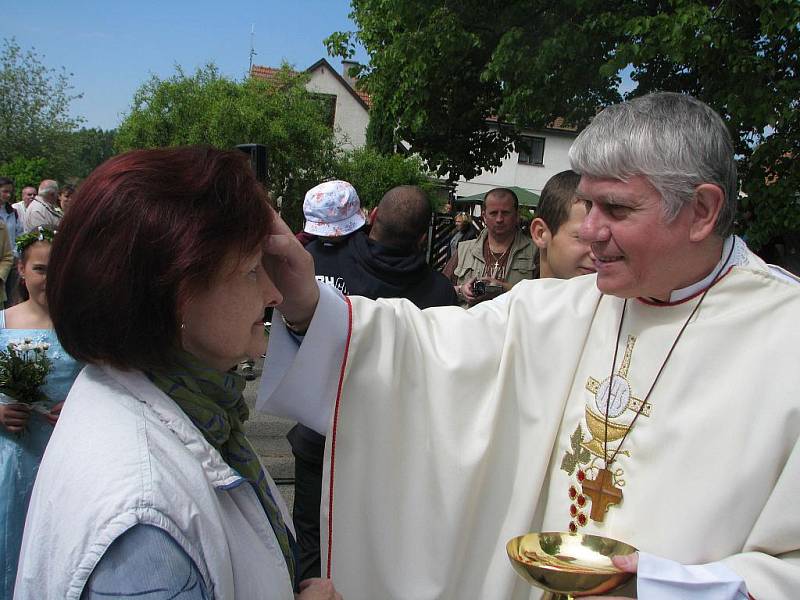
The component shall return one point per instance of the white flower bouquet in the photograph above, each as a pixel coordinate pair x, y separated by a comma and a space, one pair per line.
24, 366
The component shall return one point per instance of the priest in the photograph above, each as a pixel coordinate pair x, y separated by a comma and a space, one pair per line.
653, 402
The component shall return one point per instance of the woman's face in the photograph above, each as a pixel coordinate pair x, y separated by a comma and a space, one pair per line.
33, 269
224, 324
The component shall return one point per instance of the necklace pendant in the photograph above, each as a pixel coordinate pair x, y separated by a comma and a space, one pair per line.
603, 493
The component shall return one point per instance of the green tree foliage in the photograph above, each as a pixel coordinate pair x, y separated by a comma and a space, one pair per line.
380, 134
209, 108
24, 172
370, 172
35, 124
433, 74
439, 70
742, 58
90, 147
373, 174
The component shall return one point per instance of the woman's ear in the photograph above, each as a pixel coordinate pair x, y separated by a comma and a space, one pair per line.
540, 233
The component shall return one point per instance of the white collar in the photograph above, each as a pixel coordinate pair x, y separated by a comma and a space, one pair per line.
218, 472
727, 260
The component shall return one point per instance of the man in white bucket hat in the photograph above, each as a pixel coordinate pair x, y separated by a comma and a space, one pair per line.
332, 210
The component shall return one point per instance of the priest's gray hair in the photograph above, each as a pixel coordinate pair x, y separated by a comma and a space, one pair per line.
674, 140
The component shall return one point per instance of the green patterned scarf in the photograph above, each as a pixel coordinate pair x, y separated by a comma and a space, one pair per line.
214, 402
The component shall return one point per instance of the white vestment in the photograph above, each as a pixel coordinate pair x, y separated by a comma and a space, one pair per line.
453, 431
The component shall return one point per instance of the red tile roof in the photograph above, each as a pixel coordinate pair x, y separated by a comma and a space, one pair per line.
270, 73
267, 73
560, 123
365, 97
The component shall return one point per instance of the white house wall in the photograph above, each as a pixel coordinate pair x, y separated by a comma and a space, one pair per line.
351, 119
530, 177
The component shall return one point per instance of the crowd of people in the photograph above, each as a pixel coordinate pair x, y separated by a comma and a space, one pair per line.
42, 208
578, 376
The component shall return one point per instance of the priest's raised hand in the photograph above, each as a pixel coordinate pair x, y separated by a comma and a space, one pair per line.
292, 270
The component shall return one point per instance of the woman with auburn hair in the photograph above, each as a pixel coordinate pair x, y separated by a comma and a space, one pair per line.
158, 283
26, 428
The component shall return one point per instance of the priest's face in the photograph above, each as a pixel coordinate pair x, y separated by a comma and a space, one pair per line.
638, 253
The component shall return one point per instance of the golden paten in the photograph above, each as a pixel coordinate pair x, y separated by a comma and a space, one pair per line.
569, 564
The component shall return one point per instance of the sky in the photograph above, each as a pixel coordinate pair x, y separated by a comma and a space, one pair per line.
111, 47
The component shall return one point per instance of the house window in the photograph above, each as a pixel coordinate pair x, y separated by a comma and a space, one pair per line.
531, 150
328, 102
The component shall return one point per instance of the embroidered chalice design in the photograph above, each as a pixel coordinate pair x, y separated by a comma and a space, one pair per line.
619, 400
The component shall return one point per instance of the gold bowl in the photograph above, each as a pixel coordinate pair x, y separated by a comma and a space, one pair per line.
572, 564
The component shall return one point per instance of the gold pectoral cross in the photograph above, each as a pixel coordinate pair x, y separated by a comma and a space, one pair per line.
603, 493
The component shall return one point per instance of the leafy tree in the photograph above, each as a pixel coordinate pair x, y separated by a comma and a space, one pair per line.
380, 134
373, 174
438, 70
432, 74
741, 58
209, 108
25, 172
34, 110
91, 147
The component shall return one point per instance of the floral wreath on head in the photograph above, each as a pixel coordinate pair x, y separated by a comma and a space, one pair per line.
39, 234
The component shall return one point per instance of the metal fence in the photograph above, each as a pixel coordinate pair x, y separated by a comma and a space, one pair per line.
440, 231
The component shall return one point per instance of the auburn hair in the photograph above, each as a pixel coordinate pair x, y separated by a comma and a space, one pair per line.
145, 230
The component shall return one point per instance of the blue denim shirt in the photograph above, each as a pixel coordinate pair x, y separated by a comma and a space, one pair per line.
147, 564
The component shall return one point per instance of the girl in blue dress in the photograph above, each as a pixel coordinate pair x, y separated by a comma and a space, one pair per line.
24, 432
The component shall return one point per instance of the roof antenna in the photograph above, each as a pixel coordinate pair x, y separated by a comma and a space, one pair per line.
252, 47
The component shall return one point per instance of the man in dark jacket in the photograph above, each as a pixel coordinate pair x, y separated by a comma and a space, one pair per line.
387, 262
384, 263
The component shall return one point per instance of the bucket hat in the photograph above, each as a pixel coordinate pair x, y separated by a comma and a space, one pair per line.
332, 209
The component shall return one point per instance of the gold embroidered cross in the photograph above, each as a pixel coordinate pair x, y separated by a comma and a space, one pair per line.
603, 493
